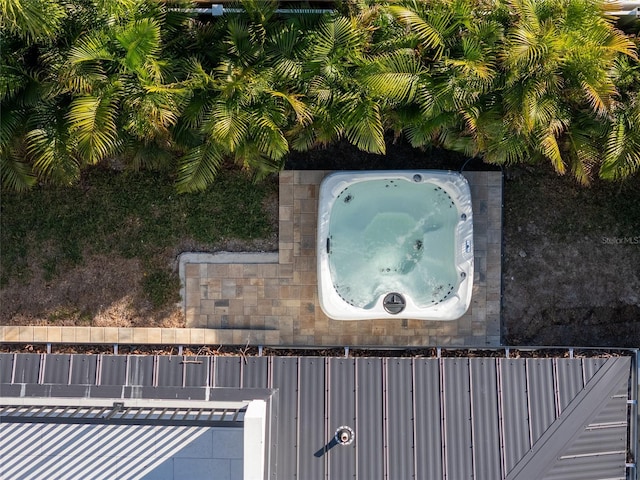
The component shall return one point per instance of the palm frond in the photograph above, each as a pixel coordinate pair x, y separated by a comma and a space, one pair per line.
428, 35
93, 122
268, 137
15, 174
302, 137
199, 167
363, 126
337, 34
51, 151
33, 20
141, 41
509, 149
394, 76
304, 116
228, 125
548, 146
92, 47
622, 148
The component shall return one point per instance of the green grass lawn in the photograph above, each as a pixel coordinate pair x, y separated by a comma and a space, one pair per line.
133, 215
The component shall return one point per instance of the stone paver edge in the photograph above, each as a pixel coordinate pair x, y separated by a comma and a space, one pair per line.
135, 335
218, 257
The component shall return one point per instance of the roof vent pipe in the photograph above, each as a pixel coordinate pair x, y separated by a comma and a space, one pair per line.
344, 435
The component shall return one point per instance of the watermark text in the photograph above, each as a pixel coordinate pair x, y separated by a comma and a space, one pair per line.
634, 240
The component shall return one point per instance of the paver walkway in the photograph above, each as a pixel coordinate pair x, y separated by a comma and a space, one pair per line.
278, 300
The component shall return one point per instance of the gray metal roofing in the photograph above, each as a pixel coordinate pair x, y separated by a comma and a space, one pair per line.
426, 418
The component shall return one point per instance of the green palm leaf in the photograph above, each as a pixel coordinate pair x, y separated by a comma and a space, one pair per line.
34, 20
93, 123
363, 126
394, 76
199, 167
53, 155
228, 125
269, 138
15, 174
622, 148
429, 35
141, 41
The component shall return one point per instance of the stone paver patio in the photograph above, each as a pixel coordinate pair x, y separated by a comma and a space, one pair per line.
275, 295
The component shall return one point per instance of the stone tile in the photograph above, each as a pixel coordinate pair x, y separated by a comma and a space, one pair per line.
286, 177
40, 334
68, 334
271, 290
196, 336
228, 288
192, 270
494, 216
494, 236
313, 177
286, 257
304, 264
285, 270
217, 270
125, 335
479, 315
236, 270
11, 333
182, 336
154, 336
249, 270
207, 307
168, 336
493, 325
285, 213
140, 335
493, 308
286, 195
111, 335
305, 206
494, 179
25, 334
271, 337
96, 334
193, 291
241, 337
200, 321
302, 191
83, 334
54, 334
268, 271
203, 270
236, 306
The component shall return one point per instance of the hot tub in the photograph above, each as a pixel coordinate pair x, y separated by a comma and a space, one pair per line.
395, 244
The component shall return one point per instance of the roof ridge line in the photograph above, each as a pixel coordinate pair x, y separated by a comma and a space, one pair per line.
539, 459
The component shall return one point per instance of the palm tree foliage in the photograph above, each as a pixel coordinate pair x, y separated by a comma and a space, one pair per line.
83, 81
243, 96
515, 81
100, 85
559, 58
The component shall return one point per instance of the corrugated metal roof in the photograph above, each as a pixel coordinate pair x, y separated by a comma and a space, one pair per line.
434, 418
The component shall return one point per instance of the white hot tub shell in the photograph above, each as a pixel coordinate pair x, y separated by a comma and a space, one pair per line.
395, 244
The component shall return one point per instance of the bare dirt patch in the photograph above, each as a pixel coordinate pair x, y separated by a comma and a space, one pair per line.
105, 291
571, 266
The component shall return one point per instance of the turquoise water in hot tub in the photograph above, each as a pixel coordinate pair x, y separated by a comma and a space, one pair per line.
393, 236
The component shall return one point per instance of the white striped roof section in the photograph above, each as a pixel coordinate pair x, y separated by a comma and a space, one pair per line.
450, 418
124, 452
